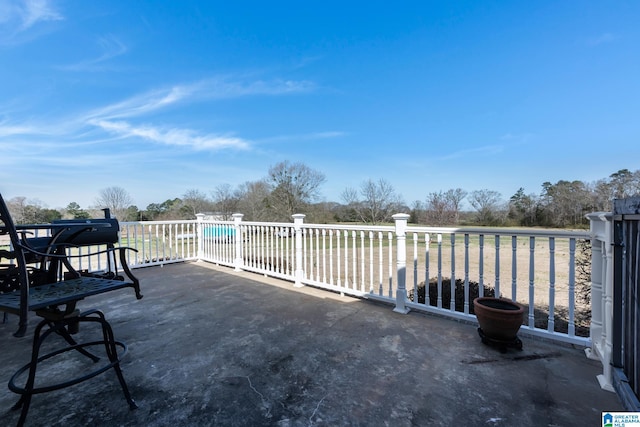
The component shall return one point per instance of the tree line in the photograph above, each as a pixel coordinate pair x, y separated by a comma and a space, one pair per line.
294, 187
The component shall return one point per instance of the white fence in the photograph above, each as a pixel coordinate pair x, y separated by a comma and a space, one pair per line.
436, 270
159, 242
394, 263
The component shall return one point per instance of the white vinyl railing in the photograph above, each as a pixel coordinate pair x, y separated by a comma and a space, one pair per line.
432, 269
155, 243
159, 242
394, 264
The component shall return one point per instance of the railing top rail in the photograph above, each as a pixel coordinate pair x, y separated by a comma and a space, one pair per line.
322, 226
351, 227
223, 222
487, 231
503, 231
183, 221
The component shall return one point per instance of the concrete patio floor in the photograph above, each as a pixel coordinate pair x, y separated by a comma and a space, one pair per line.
212, 347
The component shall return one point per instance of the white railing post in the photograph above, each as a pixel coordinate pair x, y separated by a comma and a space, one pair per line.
238, 261
401, 251
298, 220
200, 236
601, 295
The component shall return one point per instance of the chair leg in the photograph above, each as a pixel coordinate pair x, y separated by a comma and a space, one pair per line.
112, 353
62, 331
63, 322
25, 399
59, 327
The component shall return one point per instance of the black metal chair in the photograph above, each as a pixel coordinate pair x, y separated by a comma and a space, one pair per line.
37, 274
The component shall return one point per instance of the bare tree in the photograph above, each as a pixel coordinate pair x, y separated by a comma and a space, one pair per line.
18, 208
195, 201
437, 211
225, 200
455, 198
487, 203
293, 187
417, 212
353, 209
601, 195
566, 202
116, 199
444, 208
378, 203
252, 200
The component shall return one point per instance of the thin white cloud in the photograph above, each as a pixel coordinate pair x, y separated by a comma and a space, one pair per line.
110, 46
305, 61
485, 150
19, 18
11, 130
173, 136
325, 135
222, 87
305, 137
121, 120
34, 11
603, 38
518, 138
39, 128
205, 89
141, 104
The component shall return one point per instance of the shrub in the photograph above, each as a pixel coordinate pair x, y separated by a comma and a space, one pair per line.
474, 292
541, 313
583, 271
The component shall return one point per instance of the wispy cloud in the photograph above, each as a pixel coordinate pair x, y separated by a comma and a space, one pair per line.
132, 118
517, 138
485, 150
325, 135
305, 136
225, 87
217, 88
17, 17
172, 136
34, 11
603, 38
110, 47
10, 130
306, 60
141, 104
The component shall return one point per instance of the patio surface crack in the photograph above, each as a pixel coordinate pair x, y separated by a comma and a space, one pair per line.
313, 414
265, 403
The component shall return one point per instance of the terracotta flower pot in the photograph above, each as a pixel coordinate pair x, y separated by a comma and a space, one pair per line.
499, 318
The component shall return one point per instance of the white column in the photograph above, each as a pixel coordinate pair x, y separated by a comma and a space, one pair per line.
601, 296
606, 379
401, 251
200, 235
298, 220
238, 261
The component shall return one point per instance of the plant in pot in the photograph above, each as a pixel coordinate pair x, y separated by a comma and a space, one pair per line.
499, 321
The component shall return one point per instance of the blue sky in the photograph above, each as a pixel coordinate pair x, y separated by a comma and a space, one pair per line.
161, 97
